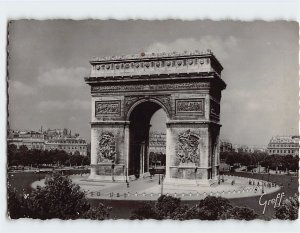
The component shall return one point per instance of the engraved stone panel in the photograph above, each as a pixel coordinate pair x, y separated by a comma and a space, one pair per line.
188, 148
106, 148
190, 106
112, 107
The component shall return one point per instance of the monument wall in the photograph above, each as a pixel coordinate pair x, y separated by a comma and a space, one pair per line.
186, 86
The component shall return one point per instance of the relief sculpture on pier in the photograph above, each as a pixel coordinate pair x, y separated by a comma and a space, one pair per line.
188, 147
107, 148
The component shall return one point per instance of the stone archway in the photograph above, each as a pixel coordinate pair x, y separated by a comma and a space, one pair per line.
139, 118
126, 91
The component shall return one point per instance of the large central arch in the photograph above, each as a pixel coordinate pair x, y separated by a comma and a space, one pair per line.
126, 91
139, 117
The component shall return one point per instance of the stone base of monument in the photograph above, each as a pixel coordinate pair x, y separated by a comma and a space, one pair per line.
131, 177
93, 177
173, 182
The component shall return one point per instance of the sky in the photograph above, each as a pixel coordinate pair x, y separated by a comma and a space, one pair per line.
48, 61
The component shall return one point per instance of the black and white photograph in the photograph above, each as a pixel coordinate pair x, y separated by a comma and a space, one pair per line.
142, 119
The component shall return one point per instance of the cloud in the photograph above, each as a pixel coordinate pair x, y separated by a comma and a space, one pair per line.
75, 104
19, 88
63, 77
51, 105
221, 47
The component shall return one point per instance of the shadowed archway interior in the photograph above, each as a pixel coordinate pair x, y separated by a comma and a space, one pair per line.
140, 118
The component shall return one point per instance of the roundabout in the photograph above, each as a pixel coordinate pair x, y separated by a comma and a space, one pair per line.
150, 189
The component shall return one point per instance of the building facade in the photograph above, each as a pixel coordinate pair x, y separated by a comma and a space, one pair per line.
157, 142
225, 146
51, 139
30, 139
69, 145
284, 145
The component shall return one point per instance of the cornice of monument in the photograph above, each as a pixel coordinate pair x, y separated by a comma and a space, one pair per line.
154, 64
152, 56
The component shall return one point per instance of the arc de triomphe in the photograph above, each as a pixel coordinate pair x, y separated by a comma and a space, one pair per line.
127, 90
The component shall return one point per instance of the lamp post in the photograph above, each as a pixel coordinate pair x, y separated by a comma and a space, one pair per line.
196, 174
113, 171
39, 174
162, 185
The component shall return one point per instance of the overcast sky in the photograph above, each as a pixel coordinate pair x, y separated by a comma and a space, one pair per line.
48, 60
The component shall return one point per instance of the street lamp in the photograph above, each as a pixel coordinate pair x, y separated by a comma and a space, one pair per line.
196, 174
113, 171
39, 174
162, 185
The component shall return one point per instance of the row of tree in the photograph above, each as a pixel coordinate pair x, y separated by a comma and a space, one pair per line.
60, 198
156, 158
37, 158
251, 160
210, 208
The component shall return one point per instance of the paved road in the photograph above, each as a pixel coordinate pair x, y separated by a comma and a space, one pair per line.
289, 188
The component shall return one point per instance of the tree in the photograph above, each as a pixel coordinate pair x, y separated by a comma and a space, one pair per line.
240, 213
59, 198
147, 211
23, 149
231, 159
210, 208
289, 209
166, 205
15, 205
101, 212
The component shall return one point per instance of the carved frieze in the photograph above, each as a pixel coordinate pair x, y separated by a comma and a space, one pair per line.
129, 101
106, 148
111, 107
151, 87
190, 106
188, 148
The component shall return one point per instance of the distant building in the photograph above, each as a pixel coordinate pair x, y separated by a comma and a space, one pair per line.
30, 139
51, 139
69, 145
225, 145
248, 148
243, 148
284, 145
157, 142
